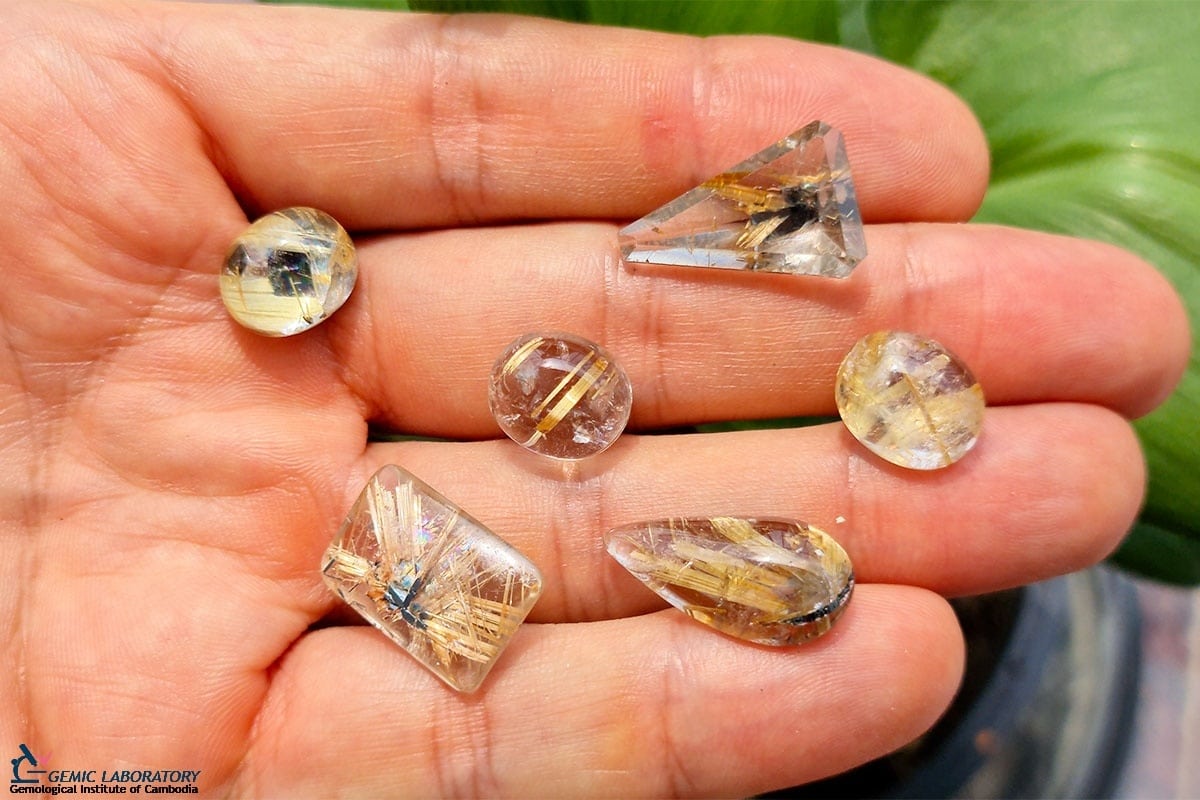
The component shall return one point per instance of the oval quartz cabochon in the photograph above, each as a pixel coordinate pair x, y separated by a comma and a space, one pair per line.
909, 400
288, 271
559, 395
769, 581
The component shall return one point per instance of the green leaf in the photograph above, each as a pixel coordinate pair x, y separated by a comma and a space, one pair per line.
764, 424
1161, 553
572, 10
808, 19
1093, 117
387, 5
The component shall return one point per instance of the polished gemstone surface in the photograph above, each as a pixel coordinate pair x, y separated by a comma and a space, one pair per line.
288, 271
909, 400
436, 581
560, 395
770, 581
790, 208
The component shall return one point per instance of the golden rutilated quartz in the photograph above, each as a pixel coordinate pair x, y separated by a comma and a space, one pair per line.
437, 582
559, 395
909, 400
769, 581
288, 271
790, 208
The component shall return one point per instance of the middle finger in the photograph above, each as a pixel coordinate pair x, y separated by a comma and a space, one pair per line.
434, 310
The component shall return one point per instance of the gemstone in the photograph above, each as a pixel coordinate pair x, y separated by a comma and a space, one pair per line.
288, 271
559, 395
790, 208
770, 581
909, 400
434, 580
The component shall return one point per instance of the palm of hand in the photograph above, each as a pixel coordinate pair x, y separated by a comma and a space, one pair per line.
173, 461
179, 478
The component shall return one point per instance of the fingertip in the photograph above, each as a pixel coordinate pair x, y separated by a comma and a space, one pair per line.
1047, 521
1143, 323
1166, 317
917, 649
904, 167
950, 161
1107, 508
880, 678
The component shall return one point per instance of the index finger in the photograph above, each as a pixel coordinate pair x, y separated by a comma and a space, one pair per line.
404, 120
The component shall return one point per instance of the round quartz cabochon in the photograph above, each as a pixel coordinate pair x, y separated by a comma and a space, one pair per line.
909, 400
559, 395
288, 271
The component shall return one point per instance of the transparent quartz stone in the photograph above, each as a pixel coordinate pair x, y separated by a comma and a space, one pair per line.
437, 582
790, 208
909, 400
559, 395
770, 581
288, 271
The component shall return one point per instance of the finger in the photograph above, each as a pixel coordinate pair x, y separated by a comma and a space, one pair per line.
1047, 490
1037, 317
653, 706
409, 120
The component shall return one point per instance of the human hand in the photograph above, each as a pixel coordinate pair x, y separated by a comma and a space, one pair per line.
175, 479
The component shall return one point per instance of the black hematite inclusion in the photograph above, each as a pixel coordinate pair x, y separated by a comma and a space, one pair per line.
400, 595
290, 273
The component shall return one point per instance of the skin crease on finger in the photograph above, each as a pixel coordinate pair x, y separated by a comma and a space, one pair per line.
179, 475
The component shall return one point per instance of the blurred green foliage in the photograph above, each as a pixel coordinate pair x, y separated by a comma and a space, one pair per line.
1092, 111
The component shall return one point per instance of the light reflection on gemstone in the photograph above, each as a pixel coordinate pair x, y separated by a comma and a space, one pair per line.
909, 400
770, 581
790, 208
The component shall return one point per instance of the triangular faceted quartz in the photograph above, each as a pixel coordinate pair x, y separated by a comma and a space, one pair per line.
790, 208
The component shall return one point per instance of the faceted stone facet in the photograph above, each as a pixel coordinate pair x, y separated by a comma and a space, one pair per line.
288, 271
790, 208
909, 400
770, 581
560, 395
436, 581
